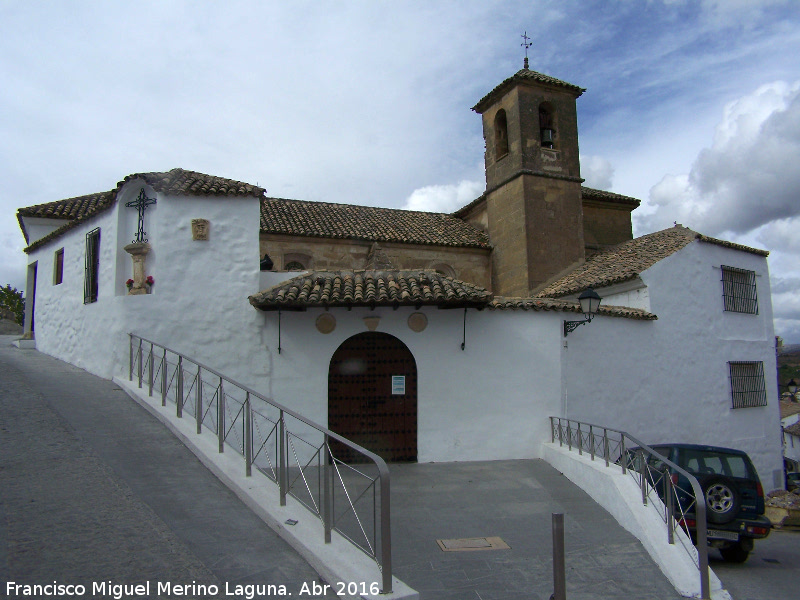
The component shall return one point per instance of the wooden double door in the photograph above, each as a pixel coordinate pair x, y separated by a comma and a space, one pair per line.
372, 397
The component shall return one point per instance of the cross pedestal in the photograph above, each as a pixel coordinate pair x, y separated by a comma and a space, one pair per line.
138, 252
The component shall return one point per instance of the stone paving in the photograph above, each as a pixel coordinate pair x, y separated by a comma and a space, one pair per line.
93, 488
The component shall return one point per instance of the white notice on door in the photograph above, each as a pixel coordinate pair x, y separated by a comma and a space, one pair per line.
398, 385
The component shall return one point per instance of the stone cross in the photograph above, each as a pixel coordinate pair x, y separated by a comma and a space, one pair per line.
141, 203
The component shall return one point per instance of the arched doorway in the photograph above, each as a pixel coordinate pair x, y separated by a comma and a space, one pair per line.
372, 396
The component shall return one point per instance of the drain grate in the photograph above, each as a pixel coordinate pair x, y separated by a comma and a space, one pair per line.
472, 544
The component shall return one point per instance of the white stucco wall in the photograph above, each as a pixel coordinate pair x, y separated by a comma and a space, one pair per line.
490, 401
668, 380
199, 301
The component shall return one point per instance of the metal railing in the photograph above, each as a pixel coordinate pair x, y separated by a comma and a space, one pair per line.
295, 453
657, 478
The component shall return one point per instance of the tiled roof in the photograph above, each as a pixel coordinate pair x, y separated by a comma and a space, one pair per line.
71, 209
176, 182
546, 304
349, 221
789, 408
629, 259
609, 197
370, 288
793, 429
524, 76
586, 194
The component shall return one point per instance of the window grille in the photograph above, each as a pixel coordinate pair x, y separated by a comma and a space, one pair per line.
739, 290
92, 264
747, 384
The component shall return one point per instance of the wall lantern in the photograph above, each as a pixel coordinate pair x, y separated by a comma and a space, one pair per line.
590, 302
792, 387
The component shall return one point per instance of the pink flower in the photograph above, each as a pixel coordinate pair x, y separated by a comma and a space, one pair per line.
129, 283
149, 280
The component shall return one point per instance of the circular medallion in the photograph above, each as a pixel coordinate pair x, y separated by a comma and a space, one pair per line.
417, 322
326, 323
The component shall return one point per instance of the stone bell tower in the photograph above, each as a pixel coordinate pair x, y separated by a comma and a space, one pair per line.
534, 213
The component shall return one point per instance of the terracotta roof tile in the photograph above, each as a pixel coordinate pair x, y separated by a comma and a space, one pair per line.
350, 221
793, 429
524, 76
629, 259
370, 288
789, 408
179, 182
547, 304
608, 197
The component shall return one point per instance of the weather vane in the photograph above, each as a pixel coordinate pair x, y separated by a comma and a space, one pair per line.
526, 44
141, 203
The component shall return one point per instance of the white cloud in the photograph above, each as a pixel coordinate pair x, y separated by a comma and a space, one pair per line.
747, 177
444, 198
597, 172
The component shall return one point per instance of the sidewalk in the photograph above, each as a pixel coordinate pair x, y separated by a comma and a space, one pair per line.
92, 487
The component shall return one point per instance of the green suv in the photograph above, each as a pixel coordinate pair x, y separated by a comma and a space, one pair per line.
732, 491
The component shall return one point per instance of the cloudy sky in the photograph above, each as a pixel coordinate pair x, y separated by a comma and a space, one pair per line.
691, 106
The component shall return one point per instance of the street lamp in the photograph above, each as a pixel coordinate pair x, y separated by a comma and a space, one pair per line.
792, 387
590, 302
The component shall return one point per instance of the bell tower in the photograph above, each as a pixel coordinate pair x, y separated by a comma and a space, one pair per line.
533, 181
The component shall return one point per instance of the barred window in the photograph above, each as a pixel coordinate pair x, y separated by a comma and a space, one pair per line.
747, 384
739, 290
92, 266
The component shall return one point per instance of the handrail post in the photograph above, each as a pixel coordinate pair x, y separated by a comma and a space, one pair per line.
198, 388
605, 444
150, 373
139, 366
130, 357
669, 492
221, 417
569, 435
591, 440
327, 490
580, 440
560, 434
642, 478
282, 466
164, 378
552, 431
179, 388
248, 436
623, 457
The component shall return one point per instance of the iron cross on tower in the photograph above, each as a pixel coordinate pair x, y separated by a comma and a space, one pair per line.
526, 44
141, 203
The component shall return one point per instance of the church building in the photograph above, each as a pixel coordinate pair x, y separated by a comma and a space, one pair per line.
426, 336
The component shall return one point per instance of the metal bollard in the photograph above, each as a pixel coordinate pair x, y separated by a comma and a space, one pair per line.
559, 568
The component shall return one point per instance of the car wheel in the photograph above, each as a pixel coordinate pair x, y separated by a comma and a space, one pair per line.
734, 553
722, 499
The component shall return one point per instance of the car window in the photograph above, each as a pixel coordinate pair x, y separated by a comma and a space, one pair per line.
701, 462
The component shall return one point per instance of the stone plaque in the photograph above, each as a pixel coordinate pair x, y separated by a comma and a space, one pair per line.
200, 229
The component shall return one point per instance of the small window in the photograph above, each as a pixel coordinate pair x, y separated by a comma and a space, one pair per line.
747, 384
500, 134
92, 266
546, 128
739, 290
58, 267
